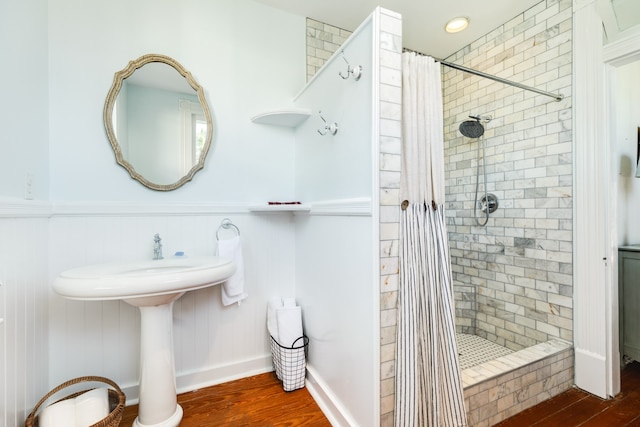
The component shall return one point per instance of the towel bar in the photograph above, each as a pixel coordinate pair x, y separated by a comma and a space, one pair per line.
227, 224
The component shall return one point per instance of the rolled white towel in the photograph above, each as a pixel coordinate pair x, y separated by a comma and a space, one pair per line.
272, 321
59, 414
289, 325
290, 330
233, 288
92, 407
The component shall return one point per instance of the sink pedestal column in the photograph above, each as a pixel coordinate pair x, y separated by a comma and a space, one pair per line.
158, 405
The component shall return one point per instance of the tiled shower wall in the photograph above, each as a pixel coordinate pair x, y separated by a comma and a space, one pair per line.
322, 41
390, 168
513, 278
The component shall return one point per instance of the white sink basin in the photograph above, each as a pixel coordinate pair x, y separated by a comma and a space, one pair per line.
152, 286
146, 278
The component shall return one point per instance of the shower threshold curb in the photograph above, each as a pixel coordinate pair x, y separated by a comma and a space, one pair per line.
518, 359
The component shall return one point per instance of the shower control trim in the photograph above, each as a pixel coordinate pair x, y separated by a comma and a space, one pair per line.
490, 201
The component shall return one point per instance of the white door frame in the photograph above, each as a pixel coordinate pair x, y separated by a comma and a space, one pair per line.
597, 357
615, 55
591, 289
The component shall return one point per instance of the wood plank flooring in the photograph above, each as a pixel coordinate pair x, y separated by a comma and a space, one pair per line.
261, 401
575, 407
253, 401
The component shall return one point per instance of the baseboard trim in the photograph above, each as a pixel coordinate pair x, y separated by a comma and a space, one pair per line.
326, 400
589, 369
214, 375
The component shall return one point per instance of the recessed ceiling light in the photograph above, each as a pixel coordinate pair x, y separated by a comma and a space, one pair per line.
456, 25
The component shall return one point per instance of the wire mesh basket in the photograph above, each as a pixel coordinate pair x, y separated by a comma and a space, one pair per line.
290, 362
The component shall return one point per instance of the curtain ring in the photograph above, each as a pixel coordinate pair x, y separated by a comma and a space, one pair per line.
433, 205
404, 205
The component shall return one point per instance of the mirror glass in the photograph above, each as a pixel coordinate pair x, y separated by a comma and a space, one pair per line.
158, 122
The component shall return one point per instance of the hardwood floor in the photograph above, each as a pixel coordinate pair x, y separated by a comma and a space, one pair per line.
260, 401
253, 401
578, 408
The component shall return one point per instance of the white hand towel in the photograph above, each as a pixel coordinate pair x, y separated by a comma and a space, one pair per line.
91, 407
59, 414
233, 288
272, 321
289, 325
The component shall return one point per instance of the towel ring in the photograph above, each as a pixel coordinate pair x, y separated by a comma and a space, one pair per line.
227, 224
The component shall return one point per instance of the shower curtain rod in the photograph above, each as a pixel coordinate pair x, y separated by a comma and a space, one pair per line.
557, 97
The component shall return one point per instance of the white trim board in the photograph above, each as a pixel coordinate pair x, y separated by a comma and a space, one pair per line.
590, 286
597, 363
17, 208
327, 401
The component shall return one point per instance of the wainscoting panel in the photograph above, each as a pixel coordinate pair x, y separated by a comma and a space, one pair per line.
213, 343
23, 310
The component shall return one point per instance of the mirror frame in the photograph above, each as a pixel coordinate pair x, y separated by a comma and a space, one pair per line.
118, 80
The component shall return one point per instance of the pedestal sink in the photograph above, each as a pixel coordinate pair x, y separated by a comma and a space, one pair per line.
152, 286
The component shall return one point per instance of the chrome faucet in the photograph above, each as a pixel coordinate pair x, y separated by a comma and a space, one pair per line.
157, 247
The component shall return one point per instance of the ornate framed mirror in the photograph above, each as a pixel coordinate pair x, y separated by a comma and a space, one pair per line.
158, 122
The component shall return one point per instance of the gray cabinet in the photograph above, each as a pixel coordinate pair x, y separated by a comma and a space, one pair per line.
629, 294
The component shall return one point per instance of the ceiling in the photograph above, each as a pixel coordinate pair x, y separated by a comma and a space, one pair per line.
424, 20
620, 18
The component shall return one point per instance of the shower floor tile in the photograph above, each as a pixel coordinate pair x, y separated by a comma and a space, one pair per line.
474, 350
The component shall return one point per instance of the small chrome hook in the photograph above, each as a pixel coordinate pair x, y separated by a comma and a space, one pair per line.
328, 128
356, 72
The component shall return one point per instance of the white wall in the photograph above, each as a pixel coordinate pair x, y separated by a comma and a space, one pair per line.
23, 241
247, 56
626, 120
23, 84
335, 253
337, 167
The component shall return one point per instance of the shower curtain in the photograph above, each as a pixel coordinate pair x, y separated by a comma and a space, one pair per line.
428, 386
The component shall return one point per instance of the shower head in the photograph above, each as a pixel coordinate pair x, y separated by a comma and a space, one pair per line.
471, 128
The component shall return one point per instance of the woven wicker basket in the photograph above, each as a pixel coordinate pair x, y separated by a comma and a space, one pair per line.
117, 400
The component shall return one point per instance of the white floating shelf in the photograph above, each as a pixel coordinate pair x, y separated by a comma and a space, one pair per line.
279, 208
289, 117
